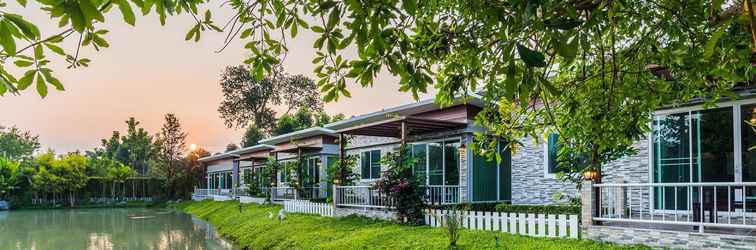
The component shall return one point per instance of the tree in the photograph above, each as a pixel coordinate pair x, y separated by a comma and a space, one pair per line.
171, 146
70, 174
119, 173
197, 170
82, 21
252, 135
17, 145
302, 119
231, 147
249, 101
134, 149
9, 173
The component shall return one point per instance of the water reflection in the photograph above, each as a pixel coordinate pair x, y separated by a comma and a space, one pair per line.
106, 229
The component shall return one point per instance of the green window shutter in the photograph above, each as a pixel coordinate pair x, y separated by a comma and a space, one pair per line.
365, 165
553, 151
375, 164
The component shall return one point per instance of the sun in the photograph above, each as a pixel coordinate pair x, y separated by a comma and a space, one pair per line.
193, 147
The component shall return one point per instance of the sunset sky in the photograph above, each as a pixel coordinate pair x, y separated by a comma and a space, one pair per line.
149, 70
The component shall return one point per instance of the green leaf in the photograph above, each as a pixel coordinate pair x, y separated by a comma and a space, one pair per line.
26, 80
38, 53
21, 2
29, 29
6, 39
90, 11
56, 49
41, 87
568, 49
563, 23
327, 5
410, 6
23, 63
714, 39
3, 86
52, 80
531, 57
127, 12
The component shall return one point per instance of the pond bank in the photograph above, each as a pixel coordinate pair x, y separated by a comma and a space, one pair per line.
251, 228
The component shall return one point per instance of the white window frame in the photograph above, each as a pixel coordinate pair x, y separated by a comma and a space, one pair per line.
735, 106
372, 178
443, 156
546, 162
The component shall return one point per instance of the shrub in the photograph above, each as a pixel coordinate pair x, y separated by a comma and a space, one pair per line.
484, 206
538, 209
402, 186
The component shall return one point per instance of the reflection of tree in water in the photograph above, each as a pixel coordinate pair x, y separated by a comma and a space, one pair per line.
102, 229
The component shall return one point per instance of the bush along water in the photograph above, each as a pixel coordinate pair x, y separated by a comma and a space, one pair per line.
402, 186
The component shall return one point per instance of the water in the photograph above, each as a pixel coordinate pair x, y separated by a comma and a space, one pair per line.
106, 228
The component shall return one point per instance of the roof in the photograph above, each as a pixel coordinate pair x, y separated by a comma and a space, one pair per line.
216, 157
252, 149
296, 135
403, 110
393, 127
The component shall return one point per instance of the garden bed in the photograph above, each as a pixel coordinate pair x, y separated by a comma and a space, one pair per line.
251, 228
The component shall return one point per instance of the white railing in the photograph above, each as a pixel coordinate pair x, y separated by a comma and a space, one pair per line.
442, 194
290, 193
361, 196
307, 207
717, 204
537, 225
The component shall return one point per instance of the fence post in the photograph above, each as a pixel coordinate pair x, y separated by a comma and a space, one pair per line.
335, 195
619, 199
588, 204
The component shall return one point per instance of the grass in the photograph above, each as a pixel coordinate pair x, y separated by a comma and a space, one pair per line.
252, 229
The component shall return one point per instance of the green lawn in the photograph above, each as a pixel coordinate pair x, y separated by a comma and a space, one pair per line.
252, 229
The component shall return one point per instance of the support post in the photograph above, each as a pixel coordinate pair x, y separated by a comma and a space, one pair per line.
588, 204
620, 195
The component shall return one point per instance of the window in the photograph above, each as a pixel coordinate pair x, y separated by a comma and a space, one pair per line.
247, 176
437, 163
370, 164
551, 153
693, 146
748, 137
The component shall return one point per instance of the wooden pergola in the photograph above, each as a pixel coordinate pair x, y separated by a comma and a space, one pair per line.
397, 127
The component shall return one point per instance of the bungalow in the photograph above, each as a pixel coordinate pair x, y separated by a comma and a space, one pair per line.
314, 149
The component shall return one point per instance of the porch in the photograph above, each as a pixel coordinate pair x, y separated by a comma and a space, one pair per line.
371, 197
704, 207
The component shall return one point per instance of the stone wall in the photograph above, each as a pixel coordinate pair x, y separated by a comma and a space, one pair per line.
670, 239
530, 182
630, 169
381, 214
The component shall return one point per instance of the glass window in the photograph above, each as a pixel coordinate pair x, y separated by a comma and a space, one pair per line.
552, 152
435, 164
419, 153
451, 161
370, 164
748, 140
375, 164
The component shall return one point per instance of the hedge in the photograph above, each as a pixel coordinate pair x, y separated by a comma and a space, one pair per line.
538, 209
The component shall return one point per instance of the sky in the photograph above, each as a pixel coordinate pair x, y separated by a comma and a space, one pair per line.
148, 71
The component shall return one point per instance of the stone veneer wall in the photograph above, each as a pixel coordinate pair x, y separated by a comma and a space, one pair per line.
530, 183
381, 214
669, 239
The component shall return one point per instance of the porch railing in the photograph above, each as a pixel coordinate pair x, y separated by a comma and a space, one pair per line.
290, 193
361, 196
442, 194
371, 197
716, 204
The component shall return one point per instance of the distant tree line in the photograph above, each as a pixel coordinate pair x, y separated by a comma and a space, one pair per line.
135, 163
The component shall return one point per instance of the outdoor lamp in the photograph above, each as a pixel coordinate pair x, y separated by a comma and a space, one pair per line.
591, 174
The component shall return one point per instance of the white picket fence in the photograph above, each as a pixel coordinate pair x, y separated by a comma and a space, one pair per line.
537, 225
307, 207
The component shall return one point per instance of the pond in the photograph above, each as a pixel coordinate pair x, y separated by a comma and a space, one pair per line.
106, 228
